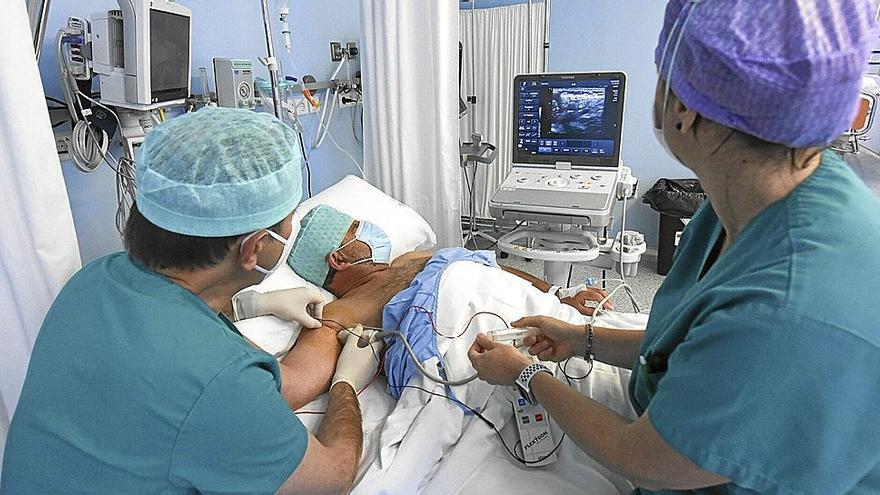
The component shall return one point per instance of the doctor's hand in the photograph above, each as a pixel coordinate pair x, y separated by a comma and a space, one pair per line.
579, 300
301, 304
555, 340
496, 363
359, 362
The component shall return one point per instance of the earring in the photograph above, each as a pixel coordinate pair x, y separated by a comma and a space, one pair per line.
678, 126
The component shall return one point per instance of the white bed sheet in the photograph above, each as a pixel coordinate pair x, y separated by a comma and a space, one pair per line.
424, 444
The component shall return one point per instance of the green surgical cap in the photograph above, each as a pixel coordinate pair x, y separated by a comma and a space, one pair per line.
321, 232
219, 172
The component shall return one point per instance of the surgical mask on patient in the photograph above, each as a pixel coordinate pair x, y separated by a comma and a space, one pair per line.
374, 237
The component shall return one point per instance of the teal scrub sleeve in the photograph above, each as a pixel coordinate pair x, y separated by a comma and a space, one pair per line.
778, 402
240, 436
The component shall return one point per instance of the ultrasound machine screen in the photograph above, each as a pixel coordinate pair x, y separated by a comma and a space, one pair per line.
574, 118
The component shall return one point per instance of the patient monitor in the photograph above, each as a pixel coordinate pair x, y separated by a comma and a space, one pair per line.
142, 53
567, 174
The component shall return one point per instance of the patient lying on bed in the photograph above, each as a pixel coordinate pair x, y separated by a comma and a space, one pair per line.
350, 258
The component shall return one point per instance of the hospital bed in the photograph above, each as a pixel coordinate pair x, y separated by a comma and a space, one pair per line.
425, 443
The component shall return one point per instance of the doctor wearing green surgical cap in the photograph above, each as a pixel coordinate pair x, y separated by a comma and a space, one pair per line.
759, 369
137, 382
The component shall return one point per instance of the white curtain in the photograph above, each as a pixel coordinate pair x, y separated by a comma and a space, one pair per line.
410, 72
501, 50
38, 248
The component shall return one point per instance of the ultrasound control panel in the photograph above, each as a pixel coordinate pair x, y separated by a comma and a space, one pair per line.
586, 189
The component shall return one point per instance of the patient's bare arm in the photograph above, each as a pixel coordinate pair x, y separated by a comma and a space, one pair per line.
578, 301
535, 281
308, 368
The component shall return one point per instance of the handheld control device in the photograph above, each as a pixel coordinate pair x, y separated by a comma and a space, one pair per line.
535, 436
532, 420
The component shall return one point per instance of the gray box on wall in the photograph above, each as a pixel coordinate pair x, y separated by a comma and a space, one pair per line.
234, 81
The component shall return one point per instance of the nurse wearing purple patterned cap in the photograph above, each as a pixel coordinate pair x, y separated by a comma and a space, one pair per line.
759, 371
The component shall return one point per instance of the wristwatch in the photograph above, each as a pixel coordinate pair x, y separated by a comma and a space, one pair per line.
522, 383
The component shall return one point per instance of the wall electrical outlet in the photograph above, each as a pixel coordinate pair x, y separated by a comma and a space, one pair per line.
348, 99
336, 51
62, 144
351, 49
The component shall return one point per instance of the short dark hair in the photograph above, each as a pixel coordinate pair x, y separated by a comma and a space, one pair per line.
158, 248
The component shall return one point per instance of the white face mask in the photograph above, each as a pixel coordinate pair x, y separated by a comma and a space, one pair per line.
376, 239
288, 245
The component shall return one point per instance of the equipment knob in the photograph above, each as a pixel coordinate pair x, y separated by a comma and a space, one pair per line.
631, 238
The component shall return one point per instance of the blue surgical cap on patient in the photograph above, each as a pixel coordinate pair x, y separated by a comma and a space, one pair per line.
321, 232
786, 71
219, 172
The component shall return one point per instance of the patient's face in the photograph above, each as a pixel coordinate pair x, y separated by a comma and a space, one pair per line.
357, 250
352, 252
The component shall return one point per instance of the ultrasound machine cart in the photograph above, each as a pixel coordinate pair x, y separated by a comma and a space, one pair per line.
567, 175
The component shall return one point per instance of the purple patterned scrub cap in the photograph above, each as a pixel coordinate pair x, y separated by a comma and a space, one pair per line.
785, 71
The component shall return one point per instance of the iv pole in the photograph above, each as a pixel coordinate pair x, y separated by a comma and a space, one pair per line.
476, 151
270, 62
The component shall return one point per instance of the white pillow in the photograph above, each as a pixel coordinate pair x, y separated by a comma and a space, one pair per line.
354, 196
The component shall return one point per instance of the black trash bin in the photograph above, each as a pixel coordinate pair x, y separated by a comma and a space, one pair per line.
676, 200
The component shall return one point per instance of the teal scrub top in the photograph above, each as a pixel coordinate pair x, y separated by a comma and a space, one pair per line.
136, 386
766, 369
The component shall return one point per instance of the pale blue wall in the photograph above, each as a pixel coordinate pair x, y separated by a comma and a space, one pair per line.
220, 29
485, 4
612, 35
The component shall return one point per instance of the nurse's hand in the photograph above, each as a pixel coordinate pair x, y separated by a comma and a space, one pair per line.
496, 363
555, 340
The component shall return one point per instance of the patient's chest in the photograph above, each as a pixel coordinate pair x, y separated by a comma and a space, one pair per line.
366, 303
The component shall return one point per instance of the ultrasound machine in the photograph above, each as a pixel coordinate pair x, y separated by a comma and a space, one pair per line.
567, 175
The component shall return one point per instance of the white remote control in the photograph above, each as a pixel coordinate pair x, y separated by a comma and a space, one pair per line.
535, 436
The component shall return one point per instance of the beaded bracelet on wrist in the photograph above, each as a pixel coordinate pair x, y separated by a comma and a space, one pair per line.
588, 351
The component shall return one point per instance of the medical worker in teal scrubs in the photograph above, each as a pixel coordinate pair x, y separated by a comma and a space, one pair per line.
137, 383
759, 371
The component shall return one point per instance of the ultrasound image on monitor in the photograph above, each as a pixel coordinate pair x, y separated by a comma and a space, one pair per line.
576, 118
576, 112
